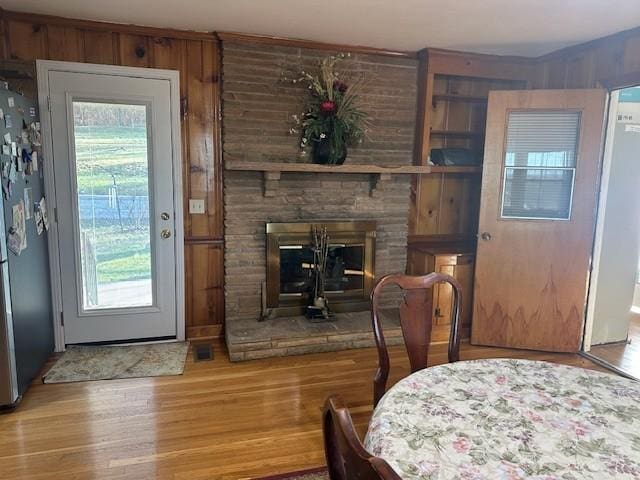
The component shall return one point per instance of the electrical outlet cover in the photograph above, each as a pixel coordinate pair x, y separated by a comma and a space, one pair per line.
196, 206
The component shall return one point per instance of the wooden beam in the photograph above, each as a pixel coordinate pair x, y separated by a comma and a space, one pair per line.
299, 43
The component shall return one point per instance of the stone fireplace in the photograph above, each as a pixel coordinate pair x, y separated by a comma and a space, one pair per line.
257, 114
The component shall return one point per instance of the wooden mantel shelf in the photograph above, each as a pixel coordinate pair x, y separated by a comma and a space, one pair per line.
272, 171
348, 168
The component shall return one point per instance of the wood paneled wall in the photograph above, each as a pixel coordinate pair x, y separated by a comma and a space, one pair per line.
26, 37
29, 37
590, 64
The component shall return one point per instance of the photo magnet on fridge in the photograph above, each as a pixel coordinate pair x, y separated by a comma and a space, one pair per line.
28, 203
37, 215
43, 211
6, 166
13, 173
19, 226
14, 242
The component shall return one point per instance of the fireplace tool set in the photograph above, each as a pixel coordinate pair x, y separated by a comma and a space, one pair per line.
319, 305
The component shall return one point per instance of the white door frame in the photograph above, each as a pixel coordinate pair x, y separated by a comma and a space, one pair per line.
607, 158
43, 68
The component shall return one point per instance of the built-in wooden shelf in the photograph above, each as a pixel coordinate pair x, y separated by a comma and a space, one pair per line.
456, 133
272, 171
459, 98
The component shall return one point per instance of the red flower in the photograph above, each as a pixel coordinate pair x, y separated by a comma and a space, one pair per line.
461, 445
328, 107
340, 86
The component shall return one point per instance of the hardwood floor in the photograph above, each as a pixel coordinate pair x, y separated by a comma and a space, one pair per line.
625, 356
217, 421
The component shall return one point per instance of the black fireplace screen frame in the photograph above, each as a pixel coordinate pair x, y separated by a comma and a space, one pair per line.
282, 236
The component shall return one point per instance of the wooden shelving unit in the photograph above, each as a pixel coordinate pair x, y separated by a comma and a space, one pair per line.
446, 203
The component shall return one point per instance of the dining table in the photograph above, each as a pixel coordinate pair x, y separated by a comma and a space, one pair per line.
509, 419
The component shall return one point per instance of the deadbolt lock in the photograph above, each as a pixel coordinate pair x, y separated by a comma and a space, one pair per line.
165, 233
164, 216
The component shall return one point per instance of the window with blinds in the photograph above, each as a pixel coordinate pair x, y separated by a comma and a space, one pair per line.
540, 164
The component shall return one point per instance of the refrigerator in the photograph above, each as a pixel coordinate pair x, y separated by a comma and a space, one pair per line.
26, 318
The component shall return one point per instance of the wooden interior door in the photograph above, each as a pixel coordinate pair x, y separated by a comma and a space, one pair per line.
537, 217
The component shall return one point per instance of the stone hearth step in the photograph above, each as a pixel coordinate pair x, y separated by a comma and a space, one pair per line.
279, 337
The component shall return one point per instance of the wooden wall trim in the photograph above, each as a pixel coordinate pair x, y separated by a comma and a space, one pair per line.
629, 79
485, 57
589, 45
299, 43
94, 25
451, 62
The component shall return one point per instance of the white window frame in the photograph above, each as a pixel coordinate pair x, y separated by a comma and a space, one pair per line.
574, 169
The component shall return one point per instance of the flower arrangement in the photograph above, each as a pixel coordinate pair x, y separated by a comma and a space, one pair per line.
331, 120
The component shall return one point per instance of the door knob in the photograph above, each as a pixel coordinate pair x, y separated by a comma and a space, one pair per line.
164, 216
165, 233
485, 236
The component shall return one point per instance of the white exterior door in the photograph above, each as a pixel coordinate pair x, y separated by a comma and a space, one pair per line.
114, 174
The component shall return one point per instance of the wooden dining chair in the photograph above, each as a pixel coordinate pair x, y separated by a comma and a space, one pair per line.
416, 322
347, 458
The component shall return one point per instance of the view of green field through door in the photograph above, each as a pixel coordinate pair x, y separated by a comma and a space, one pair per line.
112, 175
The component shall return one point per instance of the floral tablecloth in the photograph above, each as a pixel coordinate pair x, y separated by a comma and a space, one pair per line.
509, 419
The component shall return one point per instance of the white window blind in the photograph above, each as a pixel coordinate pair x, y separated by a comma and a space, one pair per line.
540, 164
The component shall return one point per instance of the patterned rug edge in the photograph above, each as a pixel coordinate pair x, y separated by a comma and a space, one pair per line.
48, 371
295, 474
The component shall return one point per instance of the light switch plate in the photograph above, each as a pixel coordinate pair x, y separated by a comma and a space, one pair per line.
196, 206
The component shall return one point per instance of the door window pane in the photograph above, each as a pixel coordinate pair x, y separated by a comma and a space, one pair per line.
540, 164
112, 172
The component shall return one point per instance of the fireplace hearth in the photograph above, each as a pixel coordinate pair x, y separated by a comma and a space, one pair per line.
349, 273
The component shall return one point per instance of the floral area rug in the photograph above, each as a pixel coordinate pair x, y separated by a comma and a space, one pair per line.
83, 363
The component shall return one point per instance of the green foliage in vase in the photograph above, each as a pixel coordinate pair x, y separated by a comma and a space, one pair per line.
331, 112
